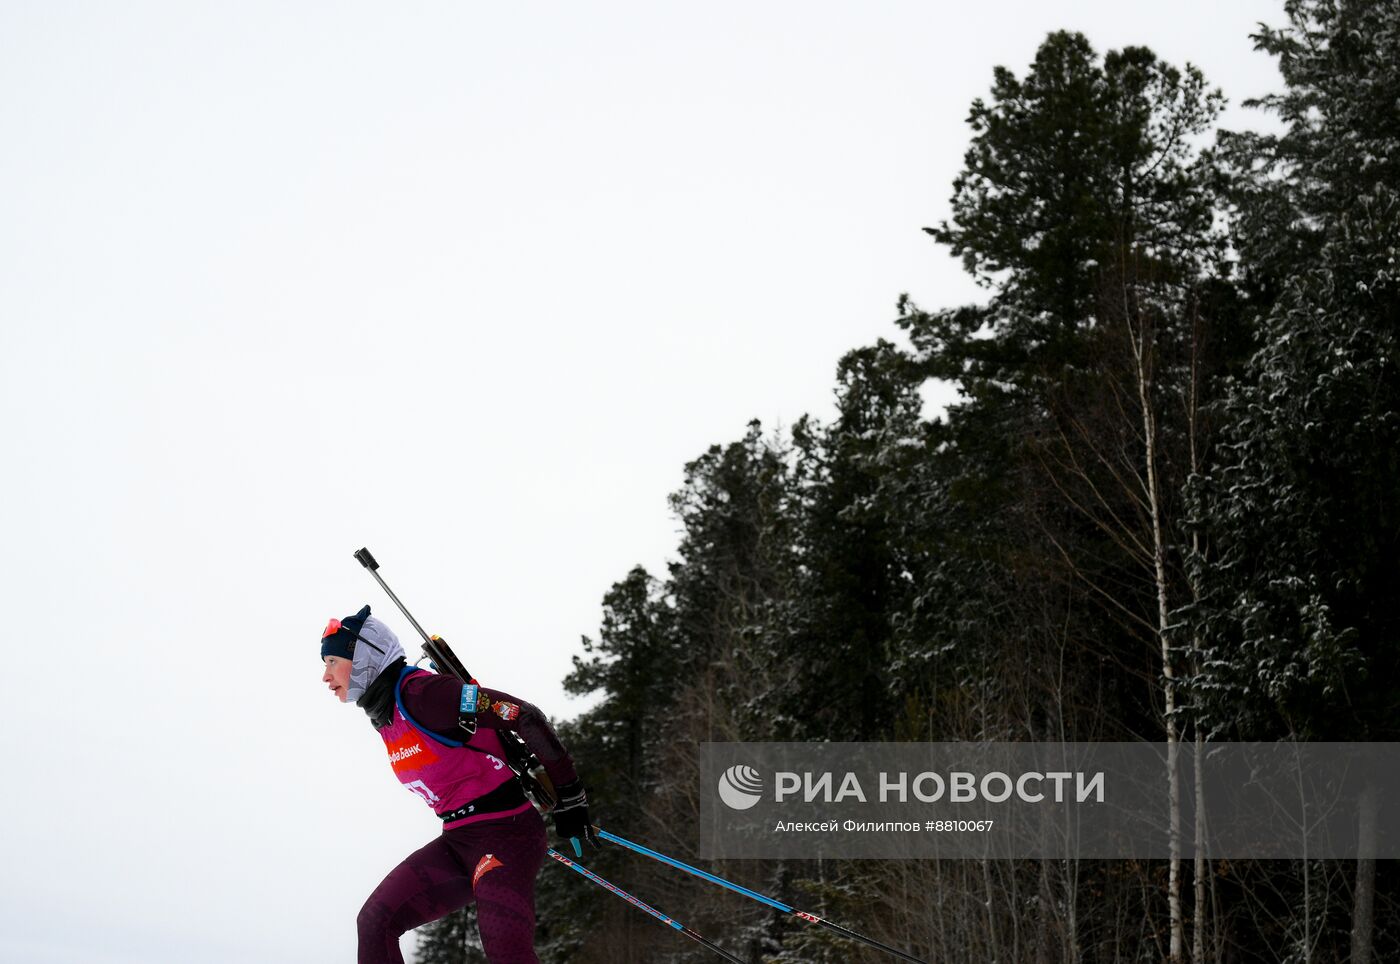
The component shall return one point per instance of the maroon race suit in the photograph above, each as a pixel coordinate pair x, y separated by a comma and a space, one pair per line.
493, 841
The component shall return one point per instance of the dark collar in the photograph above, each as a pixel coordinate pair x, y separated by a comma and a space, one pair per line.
378, 700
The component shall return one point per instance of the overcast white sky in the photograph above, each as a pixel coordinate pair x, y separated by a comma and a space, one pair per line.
464, 284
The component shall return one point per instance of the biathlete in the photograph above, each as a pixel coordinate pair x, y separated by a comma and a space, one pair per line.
493, 840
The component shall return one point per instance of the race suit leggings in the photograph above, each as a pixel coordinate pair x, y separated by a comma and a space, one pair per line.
493, 862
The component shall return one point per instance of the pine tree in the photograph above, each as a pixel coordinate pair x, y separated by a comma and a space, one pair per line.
850, 581
1301, 502
1301, 508
632, 663
680, 661
1338, 62
1084, 205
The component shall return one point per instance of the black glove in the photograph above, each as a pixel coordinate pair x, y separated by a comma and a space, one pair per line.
571, 817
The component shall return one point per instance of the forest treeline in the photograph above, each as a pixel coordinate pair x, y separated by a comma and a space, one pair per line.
1166, 507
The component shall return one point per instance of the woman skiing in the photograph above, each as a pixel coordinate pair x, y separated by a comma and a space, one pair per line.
444, 740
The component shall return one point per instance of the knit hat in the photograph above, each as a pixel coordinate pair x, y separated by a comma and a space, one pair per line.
340, 635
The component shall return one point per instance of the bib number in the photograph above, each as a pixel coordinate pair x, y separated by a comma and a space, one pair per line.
421, 788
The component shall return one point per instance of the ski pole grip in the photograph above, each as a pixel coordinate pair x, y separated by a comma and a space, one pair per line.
366, 560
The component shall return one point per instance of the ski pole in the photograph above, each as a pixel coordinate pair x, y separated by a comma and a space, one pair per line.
640, 905
775, 904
